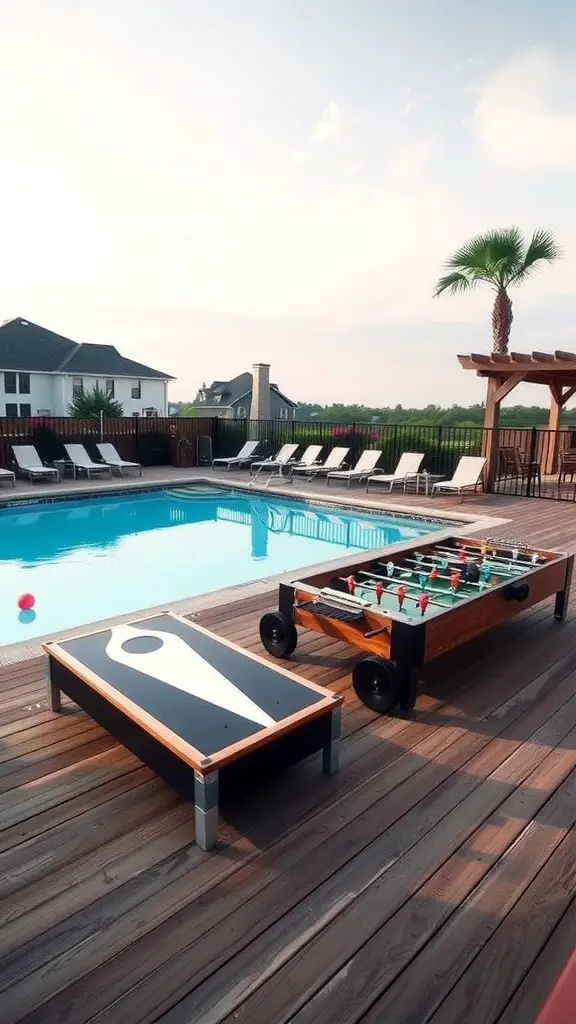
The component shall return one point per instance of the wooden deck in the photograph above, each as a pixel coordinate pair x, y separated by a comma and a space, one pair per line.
433, 879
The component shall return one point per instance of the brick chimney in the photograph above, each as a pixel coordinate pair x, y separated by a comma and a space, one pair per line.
260, 408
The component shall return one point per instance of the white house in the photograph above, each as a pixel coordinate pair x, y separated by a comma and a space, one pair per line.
40, 372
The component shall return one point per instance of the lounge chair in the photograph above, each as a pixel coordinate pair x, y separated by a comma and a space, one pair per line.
407, 467
245, 457
467, 475
111, 457
7, 474
335, 460
363, 467
279, 462
308, 460
30, 464
82, 462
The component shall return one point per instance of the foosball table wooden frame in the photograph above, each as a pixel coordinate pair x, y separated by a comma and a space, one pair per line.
399, 644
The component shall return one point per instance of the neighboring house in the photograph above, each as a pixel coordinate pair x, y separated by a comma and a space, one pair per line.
248, 396
40, 372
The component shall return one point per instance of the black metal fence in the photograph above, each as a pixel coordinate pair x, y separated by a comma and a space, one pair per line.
531, 461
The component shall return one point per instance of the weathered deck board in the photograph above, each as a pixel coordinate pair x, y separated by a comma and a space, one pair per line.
391, 891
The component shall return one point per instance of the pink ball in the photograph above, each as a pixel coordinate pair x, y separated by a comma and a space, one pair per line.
26, 602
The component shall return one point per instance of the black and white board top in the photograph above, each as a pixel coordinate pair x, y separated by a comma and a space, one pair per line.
203, 697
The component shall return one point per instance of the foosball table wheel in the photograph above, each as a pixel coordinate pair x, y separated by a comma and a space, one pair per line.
278, 634
377, 684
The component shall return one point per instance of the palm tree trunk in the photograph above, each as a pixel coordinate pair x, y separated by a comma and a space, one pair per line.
501, 321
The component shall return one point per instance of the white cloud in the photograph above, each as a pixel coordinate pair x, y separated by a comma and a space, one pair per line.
329, 126
525, 116
410, 159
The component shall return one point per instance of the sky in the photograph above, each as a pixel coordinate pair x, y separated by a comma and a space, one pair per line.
210, 184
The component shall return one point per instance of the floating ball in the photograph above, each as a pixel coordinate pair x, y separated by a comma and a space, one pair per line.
26, 602
26, 618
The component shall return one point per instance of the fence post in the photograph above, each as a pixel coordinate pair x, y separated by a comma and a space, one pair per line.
136, 420
531, 461
214, 437
436, 468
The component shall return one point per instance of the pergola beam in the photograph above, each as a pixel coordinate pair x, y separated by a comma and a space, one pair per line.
508, 385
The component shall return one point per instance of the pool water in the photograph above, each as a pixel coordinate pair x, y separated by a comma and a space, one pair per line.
95, 558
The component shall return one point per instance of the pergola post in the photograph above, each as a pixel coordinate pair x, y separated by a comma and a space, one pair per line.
490, 446
553, 424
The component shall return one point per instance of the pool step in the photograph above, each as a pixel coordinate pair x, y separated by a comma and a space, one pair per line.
191, 492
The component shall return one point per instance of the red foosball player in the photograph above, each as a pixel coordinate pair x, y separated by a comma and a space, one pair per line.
351, 583
434, 574
401, 594
454, 581
379, 591
462, 556
423, 602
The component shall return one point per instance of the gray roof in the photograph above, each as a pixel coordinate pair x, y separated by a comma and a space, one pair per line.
26, 346
231, 391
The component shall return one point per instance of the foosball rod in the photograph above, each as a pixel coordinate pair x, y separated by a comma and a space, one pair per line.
455, 563
504, 559
496, 564
439, 576
394, 593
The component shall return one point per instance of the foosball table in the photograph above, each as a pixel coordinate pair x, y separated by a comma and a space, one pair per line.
420, 603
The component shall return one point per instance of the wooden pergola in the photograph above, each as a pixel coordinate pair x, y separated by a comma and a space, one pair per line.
556, 370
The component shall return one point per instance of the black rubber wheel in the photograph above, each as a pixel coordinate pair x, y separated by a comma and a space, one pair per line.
278, 634
377, 683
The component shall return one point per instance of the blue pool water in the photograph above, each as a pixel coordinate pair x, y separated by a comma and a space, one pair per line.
94, 558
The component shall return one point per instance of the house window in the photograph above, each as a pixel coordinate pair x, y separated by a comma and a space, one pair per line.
10, 383
25, 409
24, 383
283, 413
77, 387
137, 390
110, 388
11, 409
241, 412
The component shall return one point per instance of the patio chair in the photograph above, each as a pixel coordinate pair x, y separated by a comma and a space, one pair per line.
467, 475
407, 468
362, 469
82, 462
245, 457
111, 457
308, 460
7, 474
566, 466
278, 462
335, 460
515, 464
30, 464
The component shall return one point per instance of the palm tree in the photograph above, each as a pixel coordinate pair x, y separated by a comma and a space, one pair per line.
91, 404
500, 258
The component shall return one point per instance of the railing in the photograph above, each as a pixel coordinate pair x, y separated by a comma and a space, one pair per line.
531, 462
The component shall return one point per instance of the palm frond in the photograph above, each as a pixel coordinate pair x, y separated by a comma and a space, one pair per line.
454, 284
541, 249
493, 257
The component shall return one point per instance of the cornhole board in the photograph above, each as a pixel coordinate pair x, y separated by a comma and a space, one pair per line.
207, 716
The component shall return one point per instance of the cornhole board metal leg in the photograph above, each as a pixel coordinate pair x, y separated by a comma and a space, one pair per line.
331, 752
206, 809
53, 691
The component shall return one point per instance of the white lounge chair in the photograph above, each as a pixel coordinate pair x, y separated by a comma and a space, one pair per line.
30, 464
335, 460
467, 475
245, 456
278, 461
308, 460
363, 467
111, 457
407, 467
82, 462
7, 474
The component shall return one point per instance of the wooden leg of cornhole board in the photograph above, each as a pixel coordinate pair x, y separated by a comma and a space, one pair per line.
331, 752
54, 694
206, 809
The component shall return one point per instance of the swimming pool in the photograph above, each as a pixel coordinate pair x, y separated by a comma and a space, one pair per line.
96, 557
